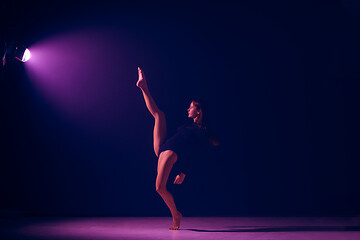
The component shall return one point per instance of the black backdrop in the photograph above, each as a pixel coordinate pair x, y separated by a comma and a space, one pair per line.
281, 81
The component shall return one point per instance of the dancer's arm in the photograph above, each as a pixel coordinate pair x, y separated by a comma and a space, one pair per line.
184, 167
213, 140
180, 178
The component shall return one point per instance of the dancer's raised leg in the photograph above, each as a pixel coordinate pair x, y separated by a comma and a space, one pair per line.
167, 158
159, 134
165, 163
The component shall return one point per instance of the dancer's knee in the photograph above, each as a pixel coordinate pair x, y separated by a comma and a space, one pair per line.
161, 190
159, 115
156, 150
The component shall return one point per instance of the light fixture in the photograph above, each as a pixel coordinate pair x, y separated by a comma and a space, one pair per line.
16, 50
22, 53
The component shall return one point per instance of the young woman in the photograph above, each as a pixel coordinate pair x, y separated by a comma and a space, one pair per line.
182, 145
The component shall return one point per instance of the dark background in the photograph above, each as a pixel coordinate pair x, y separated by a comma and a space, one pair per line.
281, 80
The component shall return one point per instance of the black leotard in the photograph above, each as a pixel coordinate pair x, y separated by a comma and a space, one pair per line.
184, 143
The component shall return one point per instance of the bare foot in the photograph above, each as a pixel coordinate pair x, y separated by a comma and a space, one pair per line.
141, 83
176, 222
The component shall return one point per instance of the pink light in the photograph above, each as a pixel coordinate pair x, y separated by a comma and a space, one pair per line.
84, 74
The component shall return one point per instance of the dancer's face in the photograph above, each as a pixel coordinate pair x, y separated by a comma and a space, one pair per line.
192, 111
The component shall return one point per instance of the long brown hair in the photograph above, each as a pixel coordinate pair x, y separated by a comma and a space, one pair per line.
201, 118
202, 122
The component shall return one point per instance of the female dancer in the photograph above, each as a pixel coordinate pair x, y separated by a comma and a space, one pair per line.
184, 142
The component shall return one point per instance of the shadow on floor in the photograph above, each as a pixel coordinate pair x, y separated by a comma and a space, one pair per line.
283, 229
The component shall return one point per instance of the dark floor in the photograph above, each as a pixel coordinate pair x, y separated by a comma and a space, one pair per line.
191, 228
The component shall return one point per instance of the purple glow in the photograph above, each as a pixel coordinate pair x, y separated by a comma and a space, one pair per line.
26, 55
192, 228
85, 75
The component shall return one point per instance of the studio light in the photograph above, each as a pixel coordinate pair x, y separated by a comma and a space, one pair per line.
22, 53
16, 50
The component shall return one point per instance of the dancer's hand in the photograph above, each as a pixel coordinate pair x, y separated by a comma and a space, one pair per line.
179, 178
